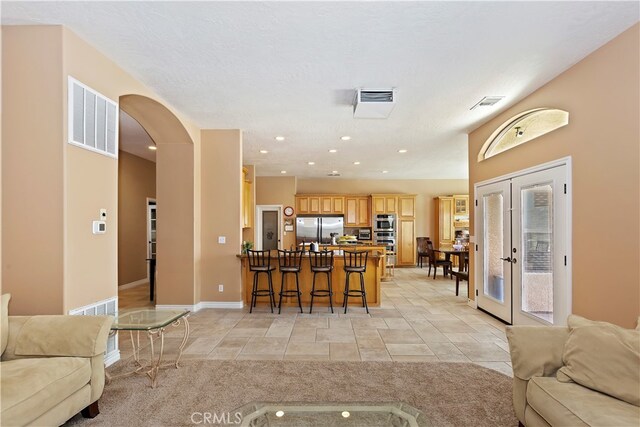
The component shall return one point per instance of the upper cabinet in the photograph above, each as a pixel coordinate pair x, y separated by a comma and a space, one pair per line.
461, 205
383, 203
247, 200
357, 211
407, 206
319, 205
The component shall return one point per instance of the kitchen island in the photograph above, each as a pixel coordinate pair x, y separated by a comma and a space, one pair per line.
372, 277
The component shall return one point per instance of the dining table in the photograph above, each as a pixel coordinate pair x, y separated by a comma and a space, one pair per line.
448, 251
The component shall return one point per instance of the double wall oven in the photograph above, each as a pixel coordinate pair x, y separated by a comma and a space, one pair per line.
384, 232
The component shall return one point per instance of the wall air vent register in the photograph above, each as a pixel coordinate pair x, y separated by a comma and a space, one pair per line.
93, 119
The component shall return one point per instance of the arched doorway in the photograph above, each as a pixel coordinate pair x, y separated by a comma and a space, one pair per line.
175, 250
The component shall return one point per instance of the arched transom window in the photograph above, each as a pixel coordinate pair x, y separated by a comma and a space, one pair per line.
523, 128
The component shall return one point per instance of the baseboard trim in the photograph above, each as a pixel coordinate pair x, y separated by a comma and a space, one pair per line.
472, 303
220, 304
134, 284
202, 304
111, 357
191, 308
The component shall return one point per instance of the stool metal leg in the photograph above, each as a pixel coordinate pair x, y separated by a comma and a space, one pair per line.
253, 294
346, 293
364, 293
298, 290
330, 291
272, 300
281, 290
313, 291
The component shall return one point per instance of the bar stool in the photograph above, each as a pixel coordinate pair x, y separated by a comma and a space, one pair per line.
289, 262
321, 262
355, 262
260, 262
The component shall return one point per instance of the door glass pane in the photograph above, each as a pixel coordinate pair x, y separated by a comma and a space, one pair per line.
269, 230
494, 246
537, 246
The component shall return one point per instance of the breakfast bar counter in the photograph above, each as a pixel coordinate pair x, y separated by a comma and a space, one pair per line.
372, 277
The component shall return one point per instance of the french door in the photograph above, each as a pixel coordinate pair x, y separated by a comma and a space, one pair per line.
523, 230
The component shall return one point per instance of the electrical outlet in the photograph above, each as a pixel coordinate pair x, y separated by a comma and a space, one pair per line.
220, 288
222, 240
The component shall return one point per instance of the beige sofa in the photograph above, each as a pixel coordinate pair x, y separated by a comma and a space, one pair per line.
543, 395
51, 368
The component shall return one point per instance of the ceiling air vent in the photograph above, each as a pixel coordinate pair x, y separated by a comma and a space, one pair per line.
374, 103
333, 174
488, 101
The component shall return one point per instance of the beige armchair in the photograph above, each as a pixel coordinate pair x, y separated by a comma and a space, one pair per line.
52, 367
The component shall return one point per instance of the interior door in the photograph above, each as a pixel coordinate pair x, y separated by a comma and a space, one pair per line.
494, 249
270, 232
541, 288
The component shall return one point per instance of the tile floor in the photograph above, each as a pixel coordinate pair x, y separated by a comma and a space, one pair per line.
420, 320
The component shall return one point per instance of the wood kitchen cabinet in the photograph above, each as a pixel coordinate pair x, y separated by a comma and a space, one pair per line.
383, 204
319, 204
332, 204
247, 200
461, 205
406, 233
450, 212
357, 211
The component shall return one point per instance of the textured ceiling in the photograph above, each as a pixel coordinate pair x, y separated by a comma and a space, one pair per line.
290, 68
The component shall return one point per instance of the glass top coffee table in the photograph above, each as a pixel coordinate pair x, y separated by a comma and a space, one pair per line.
153, 322
306, 414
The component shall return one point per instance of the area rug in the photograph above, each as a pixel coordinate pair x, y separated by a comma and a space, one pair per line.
449, 394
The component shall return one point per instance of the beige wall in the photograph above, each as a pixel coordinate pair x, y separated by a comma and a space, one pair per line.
75, 267
136, 183
425, 190
601, 95
221, 169
32, 203
276, 190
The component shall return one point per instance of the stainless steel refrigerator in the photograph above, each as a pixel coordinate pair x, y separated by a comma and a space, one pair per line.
318, 228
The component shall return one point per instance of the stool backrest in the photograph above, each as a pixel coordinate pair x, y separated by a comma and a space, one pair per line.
321, 259
289, 258
258, 259
355, 258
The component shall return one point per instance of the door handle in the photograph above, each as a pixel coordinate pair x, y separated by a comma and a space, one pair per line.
508, 259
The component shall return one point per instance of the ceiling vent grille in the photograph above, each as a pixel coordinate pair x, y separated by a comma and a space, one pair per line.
374, 103
333, 174
488, 101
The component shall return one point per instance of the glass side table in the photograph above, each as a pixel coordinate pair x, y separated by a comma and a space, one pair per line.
153, 322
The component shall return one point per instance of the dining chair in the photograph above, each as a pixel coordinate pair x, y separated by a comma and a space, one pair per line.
436, 262
421, 247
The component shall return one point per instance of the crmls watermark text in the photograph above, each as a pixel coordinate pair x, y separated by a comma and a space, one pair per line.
221, 418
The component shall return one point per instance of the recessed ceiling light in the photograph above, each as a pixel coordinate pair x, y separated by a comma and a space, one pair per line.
356, 163
152, 147
334, 171
311, 163
345, 138
279, 138
333, 150
263, 151
279, 414
283, 171
385, 171
402, 151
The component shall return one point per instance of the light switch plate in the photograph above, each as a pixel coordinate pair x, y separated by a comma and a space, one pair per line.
222, 240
